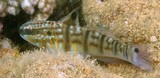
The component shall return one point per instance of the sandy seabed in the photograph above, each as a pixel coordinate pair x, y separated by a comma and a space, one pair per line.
44, 64
57, 64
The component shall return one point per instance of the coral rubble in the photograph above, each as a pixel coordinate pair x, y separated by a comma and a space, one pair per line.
7, 47
13, 7
9, 7
37, 9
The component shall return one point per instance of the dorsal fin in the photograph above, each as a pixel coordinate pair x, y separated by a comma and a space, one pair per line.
71, 17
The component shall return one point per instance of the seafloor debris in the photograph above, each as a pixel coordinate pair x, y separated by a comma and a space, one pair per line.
9, 7
7, 47
28, 5
13, 7
5, 51
37, 9
6, 43
45, 8
153, 39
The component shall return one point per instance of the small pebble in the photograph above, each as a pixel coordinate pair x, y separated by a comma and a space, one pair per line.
153, 39
6, 43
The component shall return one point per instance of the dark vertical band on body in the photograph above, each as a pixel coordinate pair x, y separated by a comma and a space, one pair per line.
114, 47
66, 39
122, 50
101, 43
126, 53
85, 42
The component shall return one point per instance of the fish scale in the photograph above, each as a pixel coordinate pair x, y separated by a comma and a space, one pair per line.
68, 35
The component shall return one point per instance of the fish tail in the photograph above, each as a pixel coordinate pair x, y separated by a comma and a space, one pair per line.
141, 62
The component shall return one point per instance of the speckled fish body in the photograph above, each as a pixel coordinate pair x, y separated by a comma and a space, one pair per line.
72, 37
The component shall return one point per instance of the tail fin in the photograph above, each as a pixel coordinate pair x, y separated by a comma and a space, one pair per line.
141, 62
140, 57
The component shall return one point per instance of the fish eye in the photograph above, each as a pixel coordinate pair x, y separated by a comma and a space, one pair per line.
136, 50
